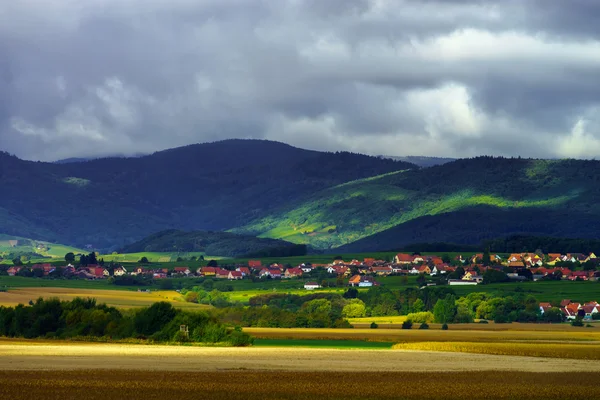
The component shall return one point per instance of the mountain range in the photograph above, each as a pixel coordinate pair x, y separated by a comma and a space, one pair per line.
330, 201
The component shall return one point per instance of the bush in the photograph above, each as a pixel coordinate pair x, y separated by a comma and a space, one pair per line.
577, 322
445, 327
596, 316
425, 317
407, 324
374, 325
424, 326
239, 338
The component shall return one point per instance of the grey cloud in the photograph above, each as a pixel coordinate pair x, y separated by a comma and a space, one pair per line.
456, 78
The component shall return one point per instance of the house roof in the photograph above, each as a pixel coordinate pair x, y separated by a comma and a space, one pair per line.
565, 303
404, 257
235, 273
311, 284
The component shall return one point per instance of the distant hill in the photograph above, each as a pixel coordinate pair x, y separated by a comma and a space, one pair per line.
215, 243
464, 202
110, 202
422, 161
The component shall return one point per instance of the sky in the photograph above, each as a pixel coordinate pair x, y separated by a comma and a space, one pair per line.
455, 78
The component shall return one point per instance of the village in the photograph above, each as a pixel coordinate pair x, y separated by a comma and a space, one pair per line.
459, 270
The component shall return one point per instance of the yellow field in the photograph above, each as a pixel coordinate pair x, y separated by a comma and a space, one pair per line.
531, 349
116, 298
551, 335
56, 355
252, 385
399, 319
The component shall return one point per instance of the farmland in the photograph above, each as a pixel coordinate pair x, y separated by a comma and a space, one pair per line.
457, 333
117, 298
115, 371
256, 385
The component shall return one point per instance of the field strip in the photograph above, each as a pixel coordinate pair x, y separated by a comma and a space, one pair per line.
16, 355
291, 385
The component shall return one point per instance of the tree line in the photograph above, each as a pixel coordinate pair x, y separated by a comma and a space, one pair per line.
84, 318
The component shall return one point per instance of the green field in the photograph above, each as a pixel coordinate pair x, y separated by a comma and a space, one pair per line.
550, 291
20, 282
316, 343
155, 257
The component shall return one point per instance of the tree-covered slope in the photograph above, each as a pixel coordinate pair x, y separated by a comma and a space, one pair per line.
215, 186
217, 243
459, 202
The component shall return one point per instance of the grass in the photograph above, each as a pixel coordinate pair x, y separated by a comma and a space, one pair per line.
398, 319
335, 344
258, 385
553, 350
550, 291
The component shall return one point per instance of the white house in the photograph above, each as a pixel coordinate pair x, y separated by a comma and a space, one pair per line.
311, 285
460, 282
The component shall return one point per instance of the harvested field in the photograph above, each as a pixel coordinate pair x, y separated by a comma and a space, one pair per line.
554, 350
55, 355
116, 298
431, 335
257, 385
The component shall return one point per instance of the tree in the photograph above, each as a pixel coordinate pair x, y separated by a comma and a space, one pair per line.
421, 280
212, 263
92, 259
407, 324
486, 256
17, 261
351, 293
354, 309
494, 276
418, 306
445, 310
83, 260
70, 258
144, 260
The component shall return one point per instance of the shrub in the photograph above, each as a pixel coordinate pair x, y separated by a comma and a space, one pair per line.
424, 326
596, 316
577, 322
425, 317
445, 327
589, 325
239, 338
374, 325
407, 324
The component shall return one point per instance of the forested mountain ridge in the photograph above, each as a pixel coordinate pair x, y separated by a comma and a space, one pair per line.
111, 202
465, 201
221, 243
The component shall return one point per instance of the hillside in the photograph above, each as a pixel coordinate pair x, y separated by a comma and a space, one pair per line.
422, 161
219, 243
111, 202
464, 201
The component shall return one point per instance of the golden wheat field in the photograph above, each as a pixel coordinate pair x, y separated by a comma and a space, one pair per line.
262, 385
115, 298
551, 335
530, 349
62, 355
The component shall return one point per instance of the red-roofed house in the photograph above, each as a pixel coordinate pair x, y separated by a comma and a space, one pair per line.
293, 273
221, 273
208, 271
98, 272
254, 263
403, 258
386, 270
244, 270
182, 270
235, 275
545, 307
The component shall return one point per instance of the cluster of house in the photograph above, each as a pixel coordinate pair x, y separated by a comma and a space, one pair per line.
571, 310
360, 273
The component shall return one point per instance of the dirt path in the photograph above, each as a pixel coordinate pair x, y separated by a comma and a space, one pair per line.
45, 356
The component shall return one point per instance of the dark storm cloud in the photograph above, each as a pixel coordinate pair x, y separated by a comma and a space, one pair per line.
431, 77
